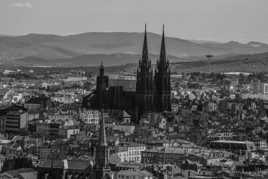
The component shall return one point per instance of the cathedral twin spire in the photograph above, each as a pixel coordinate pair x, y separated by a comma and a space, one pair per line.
162, 63
162, 79
163, 56
144, 72
145, 53
153, 91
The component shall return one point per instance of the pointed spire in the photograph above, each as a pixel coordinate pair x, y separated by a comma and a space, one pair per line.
102, 132
145, 46
101, 70
163, 46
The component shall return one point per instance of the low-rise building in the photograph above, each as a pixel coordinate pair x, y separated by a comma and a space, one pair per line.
48, 128
238, 147
127, 129
90, 116
169, 157
68, 131
15, 119
133, 174
130, 152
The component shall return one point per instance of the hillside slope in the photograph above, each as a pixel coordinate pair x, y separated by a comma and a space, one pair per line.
51, 47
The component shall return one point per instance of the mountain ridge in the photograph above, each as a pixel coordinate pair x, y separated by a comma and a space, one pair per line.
238, 63
89, 60
51, 47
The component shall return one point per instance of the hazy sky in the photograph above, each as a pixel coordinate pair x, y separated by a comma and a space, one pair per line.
219, 20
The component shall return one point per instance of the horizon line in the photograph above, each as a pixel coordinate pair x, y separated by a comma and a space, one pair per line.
141, 32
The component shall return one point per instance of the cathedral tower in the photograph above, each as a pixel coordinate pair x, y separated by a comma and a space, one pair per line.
162, 80
101, 168
144, 84
101, 85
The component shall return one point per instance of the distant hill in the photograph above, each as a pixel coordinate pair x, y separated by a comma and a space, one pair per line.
236, 63
88, 60
49, 48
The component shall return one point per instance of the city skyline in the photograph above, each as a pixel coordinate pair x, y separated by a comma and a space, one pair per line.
213, 20
122, 89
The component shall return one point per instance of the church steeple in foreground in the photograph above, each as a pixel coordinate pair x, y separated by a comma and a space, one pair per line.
101, 168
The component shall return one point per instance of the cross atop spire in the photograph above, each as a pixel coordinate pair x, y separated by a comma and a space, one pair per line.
145, 46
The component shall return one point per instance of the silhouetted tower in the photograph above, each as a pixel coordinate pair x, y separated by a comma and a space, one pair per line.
144, 84
101, 168
102, 84
162, 80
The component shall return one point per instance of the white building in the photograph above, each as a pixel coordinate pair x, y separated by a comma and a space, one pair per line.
67, 132
130, 152
90, 116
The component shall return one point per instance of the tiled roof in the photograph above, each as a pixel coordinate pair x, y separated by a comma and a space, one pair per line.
135, 172
66, 164
78, 164
49, 164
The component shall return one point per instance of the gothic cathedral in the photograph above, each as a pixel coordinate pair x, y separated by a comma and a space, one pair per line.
153, 90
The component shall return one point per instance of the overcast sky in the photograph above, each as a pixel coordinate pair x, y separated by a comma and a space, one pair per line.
217, 20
